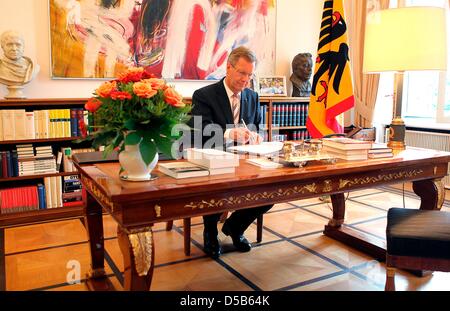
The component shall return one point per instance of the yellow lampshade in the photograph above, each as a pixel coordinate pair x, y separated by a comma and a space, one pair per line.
404, 39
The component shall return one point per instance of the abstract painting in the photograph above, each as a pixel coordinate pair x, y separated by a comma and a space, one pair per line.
173, 39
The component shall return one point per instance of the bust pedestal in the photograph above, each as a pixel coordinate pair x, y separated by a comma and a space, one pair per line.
15, 92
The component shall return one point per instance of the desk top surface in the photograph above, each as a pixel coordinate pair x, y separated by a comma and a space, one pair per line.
106, 175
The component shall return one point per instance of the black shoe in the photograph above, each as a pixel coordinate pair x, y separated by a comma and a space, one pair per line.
239, 240
211, 245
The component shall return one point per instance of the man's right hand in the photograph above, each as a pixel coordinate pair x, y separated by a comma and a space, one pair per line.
241, 135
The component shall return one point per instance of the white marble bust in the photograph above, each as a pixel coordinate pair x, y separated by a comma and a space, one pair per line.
16, 70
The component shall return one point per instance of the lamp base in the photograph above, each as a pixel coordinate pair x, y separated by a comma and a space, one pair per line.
397, 134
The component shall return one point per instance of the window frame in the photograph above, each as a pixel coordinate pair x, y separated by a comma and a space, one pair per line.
439, 116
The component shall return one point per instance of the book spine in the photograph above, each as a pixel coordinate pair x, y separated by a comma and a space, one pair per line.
80, 116
30, 131
73, 122
8, 125
48, 192
41, 194
9, 164
19, 124
14, 163
4, 165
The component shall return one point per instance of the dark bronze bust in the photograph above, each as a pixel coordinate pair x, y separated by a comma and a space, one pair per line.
301, 73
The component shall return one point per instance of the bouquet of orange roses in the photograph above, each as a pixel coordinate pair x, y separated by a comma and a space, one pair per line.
136, 108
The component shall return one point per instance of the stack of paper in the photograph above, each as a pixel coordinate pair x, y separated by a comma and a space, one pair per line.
264, 148
264, 163
216, 161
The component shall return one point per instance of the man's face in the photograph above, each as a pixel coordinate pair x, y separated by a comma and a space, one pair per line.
303, 68
13, 48
239, 75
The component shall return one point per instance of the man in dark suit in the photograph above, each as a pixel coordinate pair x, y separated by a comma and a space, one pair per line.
219, 111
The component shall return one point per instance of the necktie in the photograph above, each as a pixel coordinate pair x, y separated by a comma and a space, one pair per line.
235, 105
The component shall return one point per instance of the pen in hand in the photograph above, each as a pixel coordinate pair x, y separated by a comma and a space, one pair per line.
251, 138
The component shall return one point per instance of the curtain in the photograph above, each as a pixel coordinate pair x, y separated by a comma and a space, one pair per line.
365, 87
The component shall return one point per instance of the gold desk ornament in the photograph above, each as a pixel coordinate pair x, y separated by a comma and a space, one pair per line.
299, 154
141, 244
158, 211
288, 150
315, 146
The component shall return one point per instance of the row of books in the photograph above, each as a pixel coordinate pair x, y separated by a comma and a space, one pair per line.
54, 193
289, 114
9, 164
284, 115
19, 124
352, 149
35, 160
15, 163
72, 191
294, 135
300, 135
280, 137
28, 160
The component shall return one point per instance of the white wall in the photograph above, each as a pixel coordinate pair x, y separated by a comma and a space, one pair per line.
298, 23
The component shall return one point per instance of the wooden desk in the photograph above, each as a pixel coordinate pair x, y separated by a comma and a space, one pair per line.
137, 205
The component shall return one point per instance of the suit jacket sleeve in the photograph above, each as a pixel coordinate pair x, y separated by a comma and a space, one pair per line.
203, 108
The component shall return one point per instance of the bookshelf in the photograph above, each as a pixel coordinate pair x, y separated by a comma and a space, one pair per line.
56, 143
285, 117
66, 136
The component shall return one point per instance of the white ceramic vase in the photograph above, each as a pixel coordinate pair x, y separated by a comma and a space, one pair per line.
135, 169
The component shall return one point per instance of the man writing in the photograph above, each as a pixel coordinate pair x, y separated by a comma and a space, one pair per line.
226, 105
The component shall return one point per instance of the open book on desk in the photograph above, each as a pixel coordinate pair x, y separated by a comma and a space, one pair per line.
265, 148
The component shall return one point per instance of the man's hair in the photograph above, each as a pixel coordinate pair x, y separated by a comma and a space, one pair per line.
243, 52
10, 34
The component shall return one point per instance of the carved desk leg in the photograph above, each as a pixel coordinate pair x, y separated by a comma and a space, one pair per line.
338, 202
431, 193
138, 257
349, 236
96, 278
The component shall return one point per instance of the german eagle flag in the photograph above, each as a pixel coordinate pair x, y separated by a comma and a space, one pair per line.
332, 90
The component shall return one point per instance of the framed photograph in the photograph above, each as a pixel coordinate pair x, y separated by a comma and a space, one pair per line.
171, 39
272, 86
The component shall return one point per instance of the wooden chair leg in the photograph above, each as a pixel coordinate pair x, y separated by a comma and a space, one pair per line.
169, 225
259, 228
187, 236
390, 279
224, 216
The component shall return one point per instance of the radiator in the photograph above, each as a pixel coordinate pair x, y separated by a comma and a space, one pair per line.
436, 141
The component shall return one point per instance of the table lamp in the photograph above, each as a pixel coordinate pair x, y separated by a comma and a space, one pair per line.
404, 39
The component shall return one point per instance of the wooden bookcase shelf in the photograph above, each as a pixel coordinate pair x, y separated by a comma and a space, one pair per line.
42, 103
44, 215
34, 141
270, 102
289, 128
31, 177
40, 216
